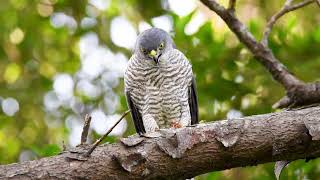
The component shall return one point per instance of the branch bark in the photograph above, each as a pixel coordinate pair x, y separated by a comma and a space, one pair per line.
186, 152
232, 5
298, 92
85, 130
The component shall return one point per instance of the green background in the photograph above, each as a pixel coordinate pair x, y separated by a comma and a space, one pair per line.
33, 52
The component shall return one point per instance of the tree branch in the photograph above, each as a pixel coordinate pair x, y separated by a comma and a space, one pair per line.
85, 130
285, 9
298, 93
232, 5
186, 152
263, 54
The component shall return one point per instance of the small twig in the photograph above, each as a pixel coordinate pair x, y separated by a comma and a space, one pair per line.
283, 102
318, 2
232, 5
85, 130
285, 9
106, 134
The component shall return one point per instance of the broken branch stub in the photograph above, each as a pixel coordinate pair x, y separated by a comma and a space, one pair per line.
85, 130
278, 167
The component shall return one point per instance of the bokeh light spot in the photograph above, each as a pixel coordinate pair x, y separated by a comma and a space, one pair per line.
59, 20
12, 73
51, 101
198, 19
164, 22
63, 86
100, 4
101, 123
16, 36
44, 9
123, 34
144, 26
233, 113
27, 155
88, 22
182, 9
10, 106
47, 70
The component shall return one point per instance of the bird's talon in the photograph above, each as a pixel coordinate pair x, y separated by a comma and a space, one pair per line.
176, 125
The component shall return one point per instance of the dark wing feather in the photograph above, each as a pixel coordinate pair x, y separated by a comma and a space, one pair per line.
136, 116
193, 102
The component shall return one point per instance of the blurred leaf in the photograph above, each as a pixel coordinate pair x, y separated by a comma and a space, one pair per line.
47, 150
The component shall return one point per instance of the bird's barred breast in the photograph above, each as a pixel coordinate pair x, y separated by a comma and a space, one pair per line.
161, 91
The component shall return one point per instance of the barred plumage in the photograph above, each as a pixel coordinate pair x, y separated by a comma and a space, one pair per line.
159, 93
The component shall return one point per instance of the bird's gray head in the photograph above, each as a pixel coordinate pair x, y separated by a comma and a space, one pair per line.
153, 43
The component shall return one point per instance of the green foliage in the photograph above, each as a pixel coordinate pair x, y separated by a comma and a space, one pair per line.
46, 150
33, 51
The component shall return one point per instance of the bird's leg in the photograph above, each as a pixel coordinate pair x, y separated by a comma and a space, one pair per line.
151, 127
185, 121
152, 134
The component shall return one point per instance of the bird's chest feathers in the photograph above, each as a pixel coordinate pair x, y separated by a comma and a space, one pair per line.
163, 78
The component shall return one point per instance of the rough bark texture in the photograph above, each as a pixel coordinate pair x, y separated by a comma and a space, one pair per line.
187, 152
298, 93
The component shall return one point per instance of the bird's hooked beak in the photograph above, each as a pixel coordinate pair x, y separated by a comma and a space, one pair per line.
155, 56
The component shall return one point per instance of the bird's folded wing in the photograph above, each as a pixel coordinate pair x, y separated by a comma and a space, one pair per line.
193, 102
136, 115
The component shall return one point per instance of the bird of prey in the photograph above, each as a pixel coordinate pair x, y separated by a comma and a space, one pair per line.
159, 84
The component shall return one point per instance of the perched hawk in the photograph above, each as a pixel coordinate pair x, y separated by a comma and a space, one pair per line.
159, 84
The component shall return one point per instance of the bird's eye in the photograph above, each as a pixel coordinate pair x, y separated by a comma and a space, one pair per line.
144, 51
161, 46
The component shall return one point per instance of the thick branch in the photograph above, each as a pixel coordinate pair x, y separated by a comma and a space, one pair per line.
285, 9
187, 152
298, 93
263, 54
